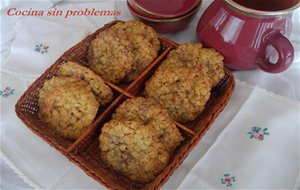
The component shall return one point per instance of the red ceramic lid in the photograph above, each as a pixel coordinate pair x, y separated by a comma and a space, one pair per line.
164, 8
159, 20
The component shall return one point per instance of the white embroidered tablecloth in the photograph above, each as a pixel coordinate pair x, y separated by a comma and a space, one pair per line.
36, 48
237, 152
258, 149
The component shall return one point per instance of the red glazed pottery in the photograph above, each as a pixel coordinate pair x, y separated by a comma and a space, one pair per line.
164, 8
250, 37
164, 25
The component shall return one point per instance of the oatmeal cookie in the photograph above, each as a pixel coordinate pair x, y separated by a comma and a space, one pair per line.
145, 44
144, 54
101, 90
56, 83
206, 60
214, 62
67, 105
183, 92
185, 50
111, 56
134, 27
185, 55
150, 113
133, 149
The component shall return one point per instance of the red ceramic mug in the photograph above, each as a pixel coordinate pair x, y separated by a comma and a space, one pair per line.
250, 33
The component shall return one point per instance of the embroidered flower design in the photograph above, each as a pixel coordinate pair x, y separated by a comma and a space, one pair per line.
258, 133
228, 180
6, 92
40, 48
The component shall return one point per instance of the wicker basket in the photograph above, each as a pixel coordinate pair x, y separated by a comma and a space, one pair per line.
85, 150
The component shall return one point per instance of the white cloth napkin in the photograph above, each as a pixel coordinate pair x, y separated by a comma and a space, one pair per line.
7, 22
11, 88
38, 44
258, 149
38, 164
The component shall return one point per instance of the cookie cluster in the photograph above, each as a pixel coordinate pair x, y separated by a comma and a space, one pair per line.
69, 101
123, 52
183, 82
138, 140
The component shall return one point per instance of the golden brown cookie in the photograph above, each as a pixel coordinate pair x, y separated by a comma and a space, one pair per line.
110, 55
67, 105
132, 149
185, 55
193, 55
148, 112
214, 62
55, 83
144, 54
144, 41
136, 27
102, 91
183, 92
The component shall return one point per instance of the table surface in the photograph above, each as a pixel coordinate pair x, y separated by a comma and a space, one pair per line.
285, 84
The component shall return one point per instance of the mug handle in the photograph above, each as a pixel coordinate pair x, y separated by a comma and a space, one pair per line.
285, 51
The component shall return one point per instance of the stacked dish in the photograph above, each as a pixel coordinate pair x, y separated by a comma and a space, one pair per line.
164, 16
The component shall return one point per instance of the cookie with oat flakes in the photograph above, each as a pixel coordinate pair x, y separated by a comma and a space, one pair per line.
145, 44
185, 55
132, 149
144, 54
134, 27
182, 91
206, 60
67, 105
214, 62
149, 112
101, 90
110, 55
